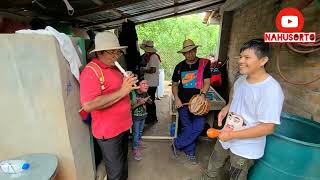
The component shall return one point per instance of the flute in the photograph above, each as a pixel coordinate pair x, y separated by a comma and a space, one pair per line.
122, 70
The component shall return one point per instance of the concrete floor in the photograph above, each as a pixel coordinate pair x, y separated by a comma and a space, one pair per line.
158, 162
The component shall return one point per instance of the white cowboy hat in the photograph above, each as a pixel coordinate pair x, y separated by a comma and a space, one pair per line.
188, 45
143, 45
106, 41
149, 46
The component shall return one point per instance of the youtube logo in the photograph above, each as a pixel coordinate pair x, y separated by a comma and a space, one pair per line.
289, 20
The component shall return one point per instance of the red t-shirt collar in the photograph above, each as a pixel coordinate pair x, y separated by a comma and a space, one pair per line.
101, 64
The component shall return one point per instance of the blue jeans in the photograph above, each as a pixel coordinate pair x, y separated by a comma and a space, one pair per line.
137, 129
191, 127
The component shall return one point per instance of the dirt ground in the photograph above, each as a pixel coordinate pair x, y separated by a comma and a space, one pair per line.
158, 162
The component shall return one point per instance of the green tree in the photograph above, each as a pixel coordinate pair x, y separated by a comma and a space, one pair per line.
169, 34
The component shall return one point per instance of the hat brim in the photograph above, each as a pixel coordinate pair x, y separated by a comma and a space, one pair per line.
105, 49
142, 46
150, 49
187, 49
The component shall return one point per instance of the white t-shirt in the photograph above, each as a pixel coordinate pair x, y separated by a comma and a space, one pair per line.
153, 79
256, 103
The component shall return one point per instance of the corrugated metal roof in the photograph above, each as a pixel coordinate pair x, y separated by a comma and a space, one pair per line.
144, 6
106, 14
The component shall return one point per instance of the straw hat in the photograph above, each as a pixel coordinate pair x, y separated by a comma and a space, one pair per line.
149, 46
143, 45
188, 45
106, 41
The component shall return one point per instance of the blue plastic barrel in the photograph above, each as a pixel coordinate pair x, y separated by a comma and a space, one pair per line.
292, 151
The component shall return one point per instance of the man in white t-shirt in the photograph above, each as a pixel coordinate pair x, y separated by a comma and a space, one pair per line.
256, 97
151, 74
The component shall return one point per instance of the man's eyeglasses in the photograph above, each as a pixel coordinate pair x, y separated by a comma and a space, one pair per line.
115, 51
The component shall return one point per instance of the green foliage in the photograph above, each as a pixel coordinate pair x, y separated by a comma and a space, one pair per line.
169, 34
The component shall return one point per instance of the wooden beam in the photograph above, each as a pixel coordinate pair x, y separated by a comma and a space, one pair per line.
162, 17
15, 16
231, 5
119, 13
176, 9
83, 19
106, 6
98, 2
143, 13
116, 12
158, 137
5, 4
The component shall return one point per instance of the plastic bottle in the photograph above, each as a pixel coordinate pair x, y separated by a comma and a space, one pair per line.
13, 166
172, 129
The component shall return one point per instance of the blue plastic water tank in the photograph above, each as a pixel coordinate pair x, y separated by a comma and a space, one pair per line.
292, 151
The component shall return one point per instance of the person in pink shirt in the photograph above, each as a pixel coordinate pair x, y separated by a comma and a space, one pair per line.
108, 102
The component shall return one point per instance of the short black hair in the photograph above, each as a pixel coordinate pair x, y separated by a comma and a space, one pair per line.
140, 78
261, 49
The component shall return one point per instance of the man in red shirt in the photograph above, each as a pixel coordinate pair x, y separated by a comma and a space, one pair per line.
109, 104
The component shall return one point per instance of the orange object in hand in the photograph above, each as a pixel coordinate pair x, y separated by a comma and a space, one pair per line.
212, 133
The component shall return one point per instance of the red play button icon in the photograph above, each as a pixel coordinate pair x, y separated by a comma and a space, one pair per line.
289, 20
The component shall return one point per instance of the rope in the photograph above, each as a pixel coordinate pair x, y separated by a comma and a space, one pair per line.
315, 44
291, 47
300, 48
286, 79
305, 48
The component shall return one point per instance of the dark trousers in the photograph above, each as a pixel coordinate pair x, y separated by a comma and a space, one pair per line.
97, 152
191, 127
239, 166
115, 152
151, 108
